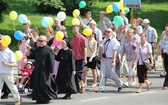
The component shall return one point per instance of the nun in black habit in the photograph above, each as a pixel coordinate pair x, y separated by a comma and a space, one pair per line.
66, 79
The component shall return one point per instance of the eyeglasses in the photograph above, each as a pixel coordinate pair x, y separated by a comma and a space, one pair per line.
108, 31
40, 40
25, 24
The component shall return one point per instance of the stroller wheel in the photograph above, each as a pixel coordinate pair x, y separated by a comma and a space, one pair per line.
26, 90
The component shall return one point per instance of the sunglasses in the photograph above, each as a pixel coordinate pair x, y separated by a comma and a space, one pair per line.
108, 31
40, 40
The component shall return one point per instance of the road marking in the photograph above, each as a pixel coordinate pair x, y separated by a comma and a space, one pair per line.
94, 99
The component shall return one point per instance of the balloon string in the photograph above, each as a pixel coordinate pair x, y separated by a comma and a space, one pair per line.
14, 25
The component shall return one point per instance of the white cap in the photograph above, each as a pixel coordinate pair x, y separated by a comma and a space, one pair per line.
103, 12
145, 21
29, 62
92, 21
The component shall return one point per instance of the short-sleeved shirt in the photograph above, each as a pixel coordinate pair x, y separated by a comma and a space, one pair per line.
128, 49
108, 24
139, 29
78, 44
108, 46
164, 44
151, 34
86, 21
8, 57
143, 52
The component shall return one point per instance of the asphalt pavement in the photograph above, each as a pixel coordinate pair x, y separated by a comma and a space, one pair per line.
156, 96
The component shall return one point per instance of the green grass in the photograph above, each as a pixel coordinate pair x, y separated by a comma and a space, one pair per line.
155, 10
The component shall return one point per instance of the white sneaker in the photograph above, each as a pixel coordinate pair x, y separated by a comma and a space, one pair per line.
126, 84
133, 84
20, 85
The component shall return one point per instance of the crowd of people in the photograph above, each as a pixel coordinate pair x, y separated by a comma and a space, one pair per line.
110, 52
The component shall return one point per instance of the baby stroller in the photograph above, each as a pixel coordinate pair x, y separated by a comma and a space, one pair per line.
26, 84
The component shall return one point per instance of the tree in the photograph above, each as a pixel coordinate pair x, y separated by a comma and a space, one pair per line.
3, 7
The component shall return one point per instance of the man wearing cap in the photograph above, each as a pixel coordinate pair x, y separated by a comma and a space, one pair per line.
151, 35
92, 25
8, 61
107, 21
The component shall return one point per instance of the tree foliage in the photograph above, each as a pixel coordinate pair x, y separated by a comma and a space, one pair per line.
54, 6
3, 7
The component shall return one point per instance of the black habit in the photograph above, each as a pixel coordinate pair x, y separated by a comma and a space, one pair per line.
66, 81
44, 86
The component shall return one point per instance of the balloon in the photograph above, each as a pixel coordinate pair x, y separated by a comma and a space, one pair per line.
87, 31
45, 22
76, 13
57, 43
75, 21
59, 35
61, 16
118, 20
22, 18
109, 9
6, 40
116, 7
121, 3
18, 55
127, 10
18, 35
122, 8
13, 15
82, 4
51, 21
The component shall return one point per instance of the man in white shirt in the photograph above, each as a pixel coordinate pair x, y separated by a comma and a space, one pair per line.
8, 61
108, 59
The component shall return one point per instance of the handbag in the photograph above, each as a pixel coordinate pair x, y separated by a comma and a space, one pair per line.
96, 58
146, 62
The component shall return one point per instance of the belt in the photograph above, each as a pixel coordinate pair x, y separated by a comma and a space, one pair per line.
108, 57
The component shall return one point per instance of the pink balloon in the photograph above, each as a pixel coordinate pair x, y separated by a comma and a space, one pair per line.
56, 43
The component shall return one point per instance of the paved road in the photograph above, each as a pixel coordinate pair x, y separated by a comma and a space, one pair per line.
156, 96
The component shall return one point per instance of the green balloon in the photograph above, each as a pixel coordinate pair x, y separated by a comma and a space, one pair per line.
118, 20
127, 10
82, 4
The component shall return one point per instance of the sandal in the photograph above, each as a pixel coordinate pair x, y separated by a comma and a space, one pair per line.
82, 90
138, 91
165, 88
93, 86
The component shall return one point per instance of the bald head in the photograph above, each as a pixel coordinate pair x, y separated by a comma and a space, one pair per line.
42, 41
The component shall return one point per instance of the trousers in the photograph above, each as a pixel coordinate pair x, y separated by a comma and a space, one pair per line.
8, 79
106, 66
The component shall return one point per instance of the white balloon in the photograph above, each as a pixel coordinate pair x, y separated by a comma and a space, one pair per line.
61, 16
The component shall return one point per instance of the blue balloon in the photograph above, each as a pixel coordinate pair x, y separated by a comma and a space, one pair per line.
45, 22
19, 35
116, 7
23, 18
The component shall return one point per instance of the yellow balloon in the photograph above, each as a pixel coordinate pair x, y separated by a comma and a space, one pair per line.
18, 55
59, 35
87, 31
6, 40
75, 21
121, 3
109, 9
51, 21
76, 13
122, 8
13, 15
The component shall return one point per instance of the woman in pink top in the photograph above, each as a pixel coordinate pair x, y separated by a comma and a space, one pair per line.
143, 52
23, 48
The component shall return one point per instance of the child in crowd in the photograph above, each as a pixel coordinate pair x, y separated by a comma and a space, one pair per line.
23, 74
23, 48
